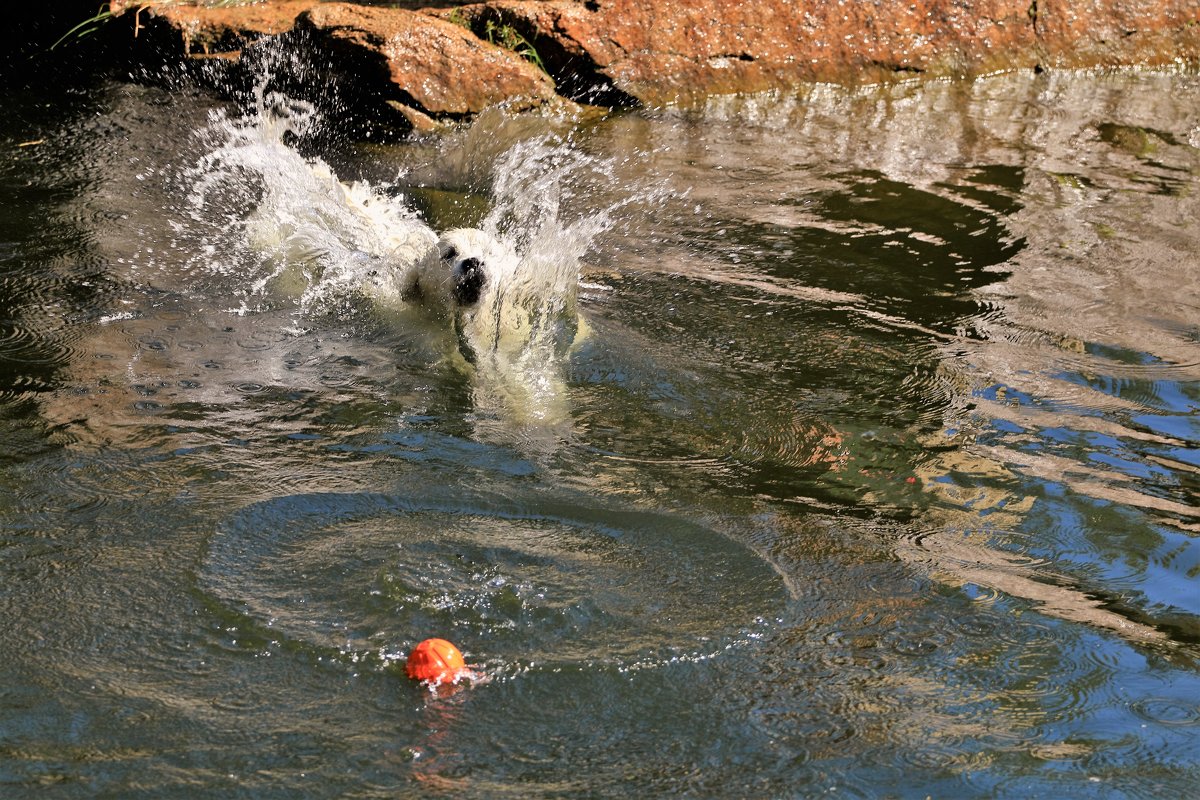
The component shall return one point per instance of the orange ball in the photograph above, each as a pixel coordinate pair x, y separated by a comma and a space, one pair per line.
435, 660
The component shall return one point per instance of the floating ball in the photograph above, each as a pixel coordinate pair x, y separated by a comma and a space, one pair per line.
435, 660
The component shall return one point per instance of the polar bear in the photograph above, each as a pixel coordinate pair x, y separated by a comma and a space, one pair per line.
345, 241
466, 263
500, 307
508, 321
272, 277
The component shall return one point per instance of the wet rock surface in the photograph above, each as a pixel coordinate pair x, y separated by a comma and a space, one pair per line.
432, 61
434, 65
683, 52
196, 30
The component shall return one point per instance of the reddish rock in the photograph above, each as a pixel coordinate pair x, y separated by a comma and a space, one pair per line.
1087, 33
420, 64
439, 68
205, 30
683, 50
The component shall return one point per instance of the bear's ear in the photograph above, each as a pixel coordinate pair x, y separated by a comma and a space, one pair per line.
468, 284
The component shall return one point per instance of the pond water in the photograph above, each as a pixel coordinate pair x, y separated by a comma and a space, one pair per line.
872, 471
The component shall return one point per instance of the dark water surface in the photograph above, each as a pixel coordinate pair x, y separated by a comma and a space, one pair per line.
876, 475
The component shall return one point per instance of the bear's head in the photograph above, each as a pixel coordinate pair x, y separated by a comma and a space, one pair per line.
467, 267
501, 307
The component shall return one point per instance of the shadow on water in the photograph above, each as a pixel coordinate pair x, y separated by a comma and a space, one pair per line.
915, 253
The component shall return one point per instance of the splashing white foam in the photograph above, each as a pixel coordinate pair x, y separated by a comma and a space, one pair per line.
287, 230
296, 231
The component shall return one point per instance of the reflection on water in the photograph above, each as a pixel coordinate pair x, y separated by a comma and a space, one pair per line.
875, 473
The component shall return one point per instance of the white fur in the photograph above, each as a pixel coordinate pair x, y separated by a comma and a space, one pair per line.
325, 235
440, 271
512, 322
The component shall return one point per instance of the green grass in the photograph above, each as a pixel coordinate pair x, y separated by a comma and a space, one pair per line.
506, 36
85, 28
105, 15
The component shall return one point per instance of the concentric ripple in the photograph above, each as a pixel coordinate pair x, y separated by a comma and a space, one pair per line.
1168, 711
514, 582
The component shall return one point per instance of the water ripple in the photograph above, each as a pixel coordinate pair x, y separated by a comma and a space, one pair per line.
519, 579
793, 440
1168, 710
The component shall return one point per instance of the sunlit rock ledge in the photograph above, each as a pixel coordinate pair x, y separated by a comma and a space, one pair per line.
414, 63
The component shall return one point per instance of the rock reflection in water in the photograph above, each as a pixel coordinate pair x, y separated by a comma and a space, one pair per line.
1068, 357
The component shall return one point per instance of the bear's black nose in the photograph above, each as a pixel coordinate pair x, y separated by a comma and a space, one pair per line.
469, 282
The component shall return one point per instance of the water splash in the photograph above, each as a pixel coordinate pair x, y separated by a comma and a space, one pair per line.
286, 230
292, 230
536, 317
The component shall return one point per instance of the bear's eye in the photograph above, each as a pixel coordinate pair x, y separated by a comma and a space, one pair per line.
450, 254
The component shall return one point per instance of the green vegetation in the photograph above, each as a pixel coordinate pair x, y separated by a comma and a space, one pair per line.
85, 28
104, 15
501, 34
506, 36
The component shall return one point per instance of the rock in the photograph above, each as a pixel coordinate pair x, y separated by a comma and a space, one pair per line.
413, 119
416, 65
207, 30
1098, 33
680, 51
429, 64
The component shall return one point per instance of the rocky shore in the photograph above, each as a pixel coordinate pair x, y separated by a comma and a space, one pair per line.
413, 64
